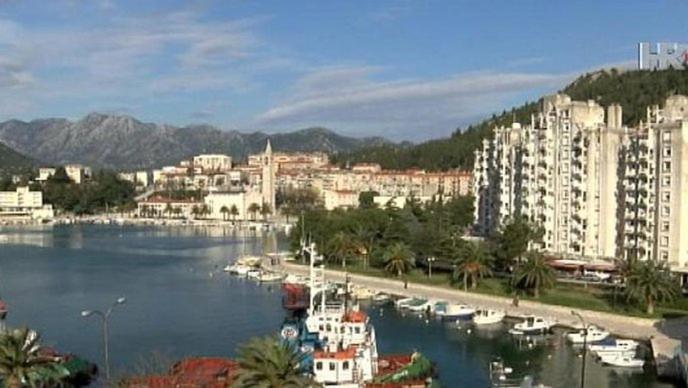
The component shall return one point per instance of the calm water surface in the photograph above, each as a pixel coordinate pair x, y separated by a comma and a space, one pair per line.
179, 303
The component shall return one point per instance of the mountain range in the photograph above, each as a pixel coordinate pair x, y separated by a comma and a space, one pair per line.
122, 142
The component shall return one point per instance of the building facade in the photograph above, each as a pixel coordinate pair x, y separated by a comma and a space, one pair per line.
660, 56
24, 203
597, 188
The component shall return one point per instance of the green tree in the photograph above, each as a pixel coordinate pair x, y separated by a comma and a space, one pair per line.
21, 364
398, 259
195, 211
267, 362
340, 247
253, 209
511, 242
168, 209
472, 264
234, 211
224, 210
649, 282
365, 199
534, 274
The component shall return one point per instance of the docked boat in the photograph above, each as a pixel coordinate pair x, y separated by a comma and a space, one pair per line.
253, 273
401, 303
420, 306
532, 325
622, 361
488, 317
362, 293
295, 279
270, 277
594, 334
452, 311
339, 341
614, 346
381, 298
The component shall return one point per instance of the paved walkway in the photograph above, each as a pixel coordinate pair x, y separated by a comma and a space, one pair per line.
663, 341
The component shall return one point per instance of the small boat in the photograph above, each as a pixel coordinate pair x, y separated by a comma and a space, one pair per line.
622, 361
419, 306
488, 317
400, 303
614, 346
532, 325
595, 334
269, 277
381, 298
295, 279
253, 273
454, 311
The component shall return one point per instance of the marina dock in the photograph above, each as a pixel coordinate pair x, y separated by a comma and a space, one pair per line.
664, 348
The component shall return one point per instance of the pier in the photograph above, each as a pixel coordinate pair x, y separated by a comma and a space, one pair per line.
664, 347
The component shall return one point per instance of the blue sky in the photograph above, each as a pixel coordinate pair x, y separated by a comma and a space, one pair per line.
400, 69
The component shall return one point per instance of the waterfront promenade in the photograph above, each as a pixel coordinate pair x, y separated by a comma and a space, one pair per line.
643, 329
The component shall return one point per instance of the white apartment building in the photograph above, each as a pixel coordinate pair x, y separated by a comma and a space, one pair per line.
598, 189
77, 173
655, 223
213, 162
44, 173
24, 203
559, 171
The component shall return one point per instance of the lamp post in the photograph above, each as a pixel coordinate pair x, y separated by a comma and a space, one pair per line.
104, 316
585, 346
430, 261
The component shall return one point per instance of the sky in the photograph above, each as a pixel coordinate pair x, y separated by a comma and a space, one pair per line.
405, 70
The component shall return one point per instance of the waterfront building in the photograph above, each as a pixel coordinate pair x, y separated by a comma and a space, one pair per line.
216, 201
660, 56
340, 199
597, 188
24, 204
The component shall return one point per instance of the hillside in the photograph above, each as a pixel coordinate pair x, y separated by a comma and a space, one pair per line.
122, 142
11, 160
634, 90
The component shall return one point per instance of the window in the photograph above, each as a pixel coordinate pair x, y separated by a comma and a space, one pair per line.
665, 211
666, 136
318, 365
666, 152
664, 241
345, 365
666, 166
358, 330
665, 226
664, 255
666, 180
666, 196
332, 365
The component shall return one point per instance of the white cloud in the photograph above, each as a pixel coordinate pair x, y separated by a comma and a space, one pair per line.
350, 99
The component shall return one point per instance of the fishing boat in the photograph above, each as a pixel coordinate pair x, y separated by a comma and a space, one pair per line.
532, 325
614, 346
452, 311
594, 334
488, 317
339, 342
622, 361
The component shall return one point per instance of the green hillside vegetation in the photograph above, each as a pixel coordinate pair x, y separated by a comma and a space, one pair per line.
12, 161
634, 90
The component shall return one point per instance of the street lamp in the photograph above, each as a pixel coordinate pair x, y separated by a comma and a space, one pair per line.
104, 316
585, 346
430, 261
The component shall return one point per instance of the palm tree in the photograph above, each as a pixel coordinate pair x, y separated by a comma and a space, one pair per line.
398, 258
195, 211
649, 282
20, 362
534, 274
205, 210
224, 212
471, 265
265, 211
253, 208
234, 211
266, 362
340, 247
364, 238
168, 209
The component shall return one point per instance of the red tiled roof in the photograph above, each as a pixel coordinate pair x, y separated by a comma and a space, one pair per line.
339, 355
205, 372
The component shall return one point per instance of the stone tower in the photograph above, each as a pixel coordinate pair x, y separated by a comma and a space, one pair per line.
268, 177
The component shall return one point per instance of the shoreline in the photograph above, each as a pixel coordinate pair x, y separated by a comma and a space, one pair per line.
662, 346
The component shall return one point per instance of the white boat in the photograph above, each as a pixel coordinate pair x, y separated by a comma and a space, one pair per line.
401, 303
269, 277
253, 273
419, 306
532, 325
488, 317
381, 297
622, 361
595, 334
618, 345
452, 311
295, 279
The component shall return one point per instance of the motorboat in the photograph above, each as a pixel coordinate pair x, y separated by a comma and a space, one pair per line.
269, 277
532, 325
622, 361
419, 306
614, 346
488, 317
401, 303
253, 273
594, 334
381, 298
295, 279
452, 311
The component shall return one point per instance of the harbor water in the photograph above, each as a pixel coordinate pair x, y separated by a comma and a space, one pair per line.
180, 303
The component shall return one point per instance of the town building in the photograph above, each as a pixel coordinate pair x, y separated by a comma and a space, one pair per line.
77, 173
44, 173
24, 203
213, 162
597, 188
162, 207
